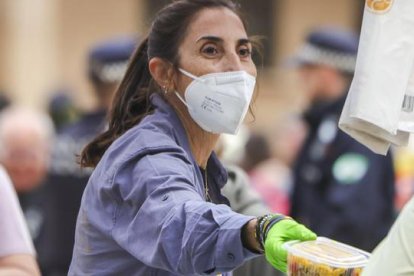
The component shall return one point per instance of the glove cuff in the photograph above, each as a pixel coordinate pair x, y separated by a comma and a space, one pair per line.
264, 224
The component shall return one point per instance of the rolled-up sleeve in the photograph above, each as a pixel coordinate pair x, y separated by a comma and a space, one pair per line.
165, 223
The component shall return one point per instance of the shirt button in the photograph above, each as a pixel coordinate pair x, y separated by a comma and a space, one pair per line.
230, 256
165, 197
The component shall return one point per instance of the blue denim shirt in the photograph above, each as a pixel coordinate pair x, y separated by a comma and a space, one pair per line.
144, 211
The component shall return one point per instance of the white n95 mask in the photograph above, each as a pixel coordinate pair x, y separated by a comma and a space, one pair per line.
218, 102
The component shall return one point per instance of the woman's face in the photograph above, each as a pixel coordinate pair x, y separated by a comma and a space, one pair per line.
216, 41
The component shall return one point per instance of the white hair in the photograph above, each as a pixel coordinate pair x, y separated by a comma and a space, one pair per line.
17, 118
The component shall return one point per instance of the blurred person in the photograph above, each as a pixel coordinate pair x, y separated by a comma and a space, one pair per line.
26, 136
25, 139
107, 62
153, 203
342, 190
268, 164
256, 150
256, 162
273, 177
17, 254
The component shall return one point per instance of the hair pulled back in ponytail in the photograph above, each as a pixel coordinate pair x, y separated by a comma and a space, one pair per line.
131, 102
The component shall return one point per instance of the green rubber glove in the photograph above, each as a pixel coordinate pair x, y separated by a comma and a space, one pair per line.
283, 231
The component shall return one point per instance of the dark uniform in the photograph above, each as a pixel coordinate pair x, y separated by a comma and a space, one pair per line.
32, 204
342, 189
66, 181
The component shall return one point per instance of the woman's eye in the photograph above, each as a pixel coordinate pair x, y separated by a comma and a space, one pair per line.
210, 50
245, 52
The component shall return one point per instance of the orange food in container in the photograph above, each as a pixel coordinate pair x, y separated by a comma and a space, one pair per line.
325, 257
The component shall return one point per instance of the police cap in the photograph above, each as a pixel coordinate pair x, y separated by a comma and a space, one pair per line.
108, 60
329, 46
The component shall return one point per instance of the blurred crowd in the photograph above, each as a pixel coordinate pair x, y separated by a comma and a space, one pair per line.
307, 169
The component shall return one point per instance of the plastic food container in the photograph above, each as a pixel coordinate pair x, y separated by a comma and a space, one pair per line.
325, 257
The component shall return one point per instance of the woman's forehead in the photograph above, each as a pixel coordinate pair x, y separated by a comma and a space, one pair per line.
216, 22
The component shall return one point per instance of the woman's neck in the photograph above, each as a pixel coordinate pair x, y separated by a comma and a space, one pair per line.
202, 143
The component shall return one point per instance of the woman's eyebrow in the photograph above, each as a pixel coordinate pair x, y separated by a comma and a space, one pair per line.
243, 41
240, 41
211, 38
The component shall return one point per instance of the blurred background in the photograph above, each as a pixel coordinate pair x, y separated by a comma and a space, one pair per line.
47, 50
44, 44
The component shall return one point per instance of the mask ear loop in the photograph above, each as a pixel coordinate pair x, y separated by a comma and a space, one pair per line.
182, 100
191, 76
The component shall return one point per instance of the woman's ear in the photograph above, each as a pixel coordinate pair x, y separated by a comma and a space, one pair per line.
161, 72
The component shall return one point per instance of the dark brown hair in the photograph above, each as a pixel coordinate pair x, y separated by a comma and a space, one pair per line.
132, 100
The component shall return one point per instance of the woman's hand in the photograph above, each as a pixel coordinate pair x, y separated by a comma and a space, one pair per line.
282, 231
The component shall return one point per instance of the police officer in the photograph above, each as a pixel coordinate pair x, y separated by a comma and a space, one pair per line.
66, 182
341, 190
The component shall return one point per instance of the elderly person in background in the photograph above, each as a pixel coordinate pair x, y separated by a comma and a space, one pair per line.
25, 139
17, 255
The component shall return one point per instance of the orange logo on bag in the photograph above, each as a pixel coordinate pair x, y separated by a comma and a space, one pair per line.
379, 6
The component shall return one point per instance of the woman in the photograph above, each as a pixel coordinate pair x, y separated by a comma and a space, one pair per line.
153, 204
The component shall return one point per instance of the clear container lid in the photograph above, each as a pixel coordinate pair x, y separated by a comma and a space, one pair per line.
329, 252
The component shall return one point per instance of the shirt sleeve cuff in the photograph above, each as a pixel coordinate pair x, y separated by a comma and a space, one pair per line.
231, 252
